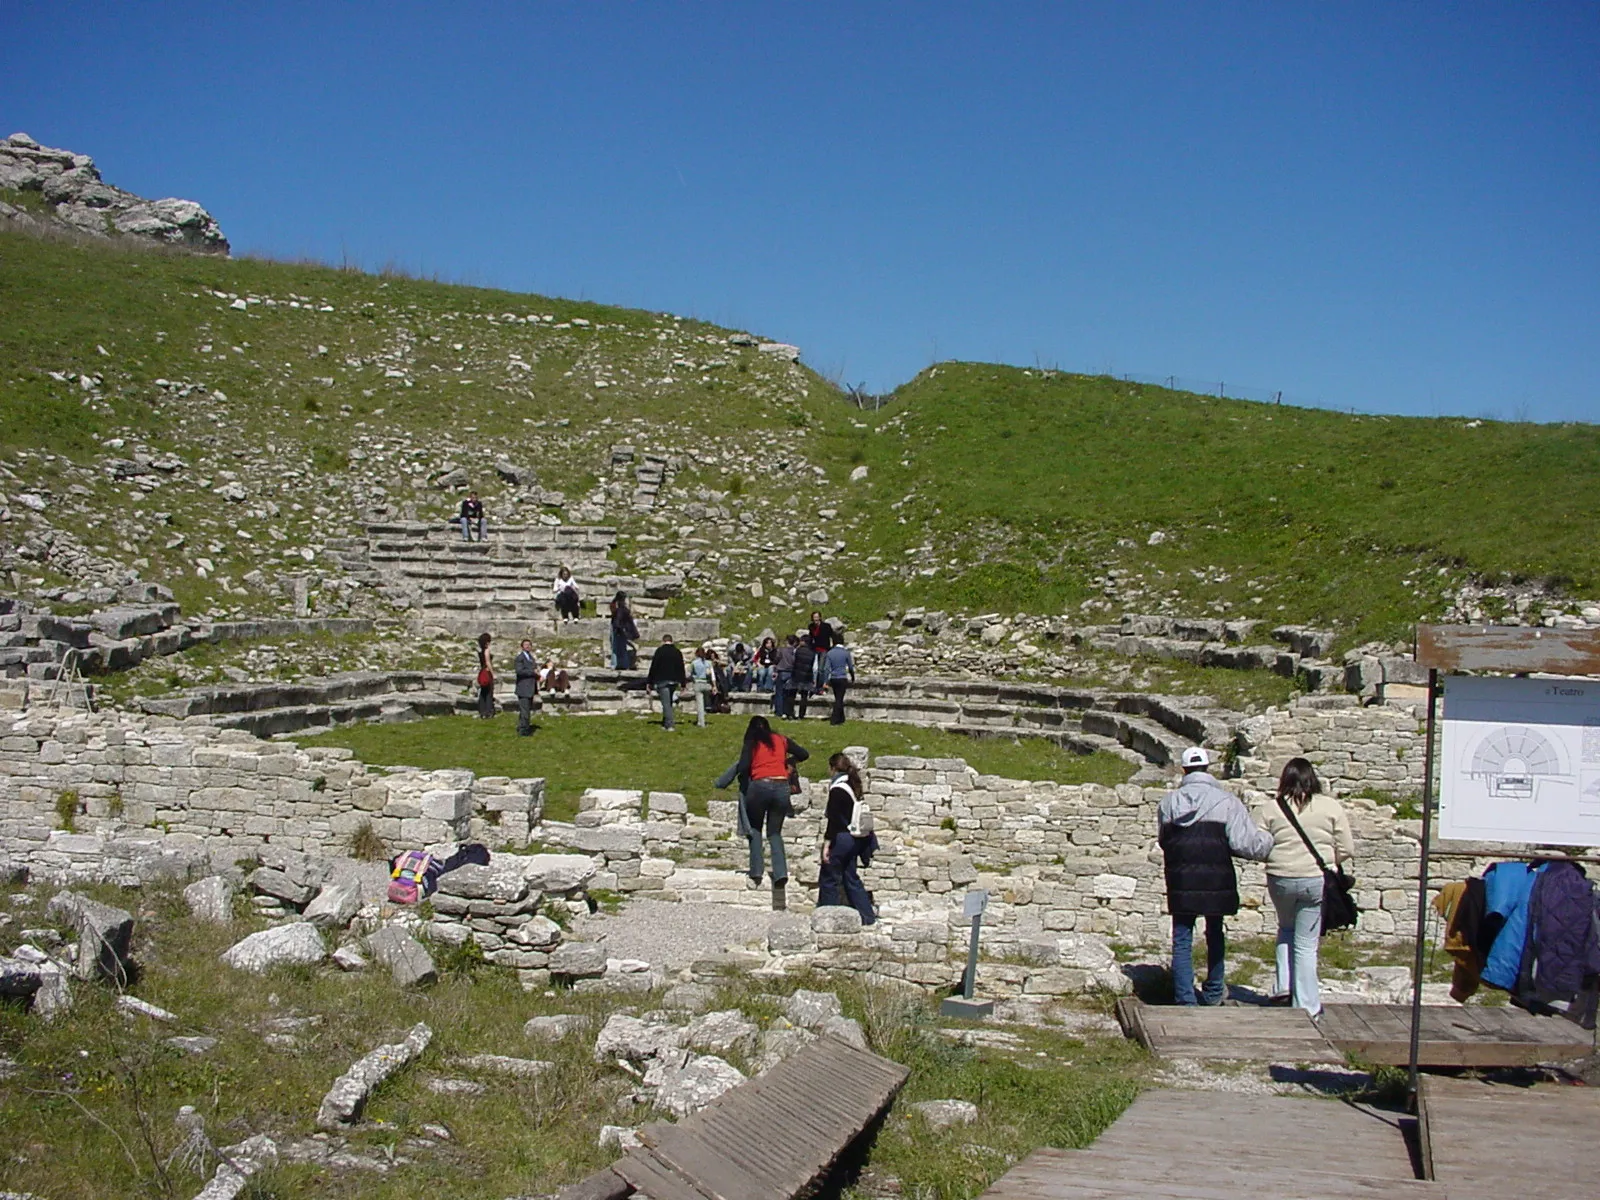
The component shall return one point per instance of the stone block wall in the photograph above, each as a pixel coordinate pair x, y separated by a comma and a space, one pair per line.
152, 787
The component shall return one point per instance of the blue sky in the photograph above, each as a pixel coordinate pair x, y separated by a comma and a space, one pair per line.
1390, 207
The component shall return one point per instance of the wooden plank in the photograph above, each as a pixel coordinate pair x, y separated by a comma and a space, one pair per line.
1498, 1139
1452, 1035
715, 1174
654, 1178
1253, 1034
1508, 648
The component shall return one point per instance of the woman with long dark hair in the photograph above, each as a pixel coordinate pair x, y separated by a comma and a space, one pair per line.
1302, 816
485, 679
842, 845
623, 633
763, 774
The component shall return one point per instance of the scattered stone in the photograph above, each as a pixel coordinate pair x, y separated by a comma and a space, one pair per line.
619, 1138
297, 943
846, 1029
578, 960
500, 1064
238, 1164
456, 1087
18, 979
942, 1114
810, 1009
554, 1029
860, 473
105, 935
336, 905
54, 996
134, 1006
348, 958
835, 918
348, 1095
778, 1044
635, 1040
689, 997
409, 963
192, 1045
210, 899
685, 1090
725, 1032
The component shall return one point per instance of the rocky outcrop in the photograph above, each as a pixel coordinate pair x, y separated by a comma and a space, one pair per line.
61, 189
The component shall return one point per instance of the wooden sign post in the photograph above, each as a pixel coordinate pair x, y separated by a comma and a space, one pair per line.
1504, 649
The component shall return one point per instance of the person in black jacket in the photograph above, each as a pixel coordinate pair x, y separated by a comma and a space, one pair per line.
801, 678
527, 668
471, 517
623, 633
666, 677
1201, 827
839, 882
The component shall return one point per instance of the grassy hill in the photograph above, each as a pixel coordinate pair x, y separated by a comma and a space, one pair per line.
329, 395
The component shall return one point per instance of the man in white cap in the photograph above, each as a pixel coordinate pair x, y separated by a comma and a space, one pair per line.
1202, 827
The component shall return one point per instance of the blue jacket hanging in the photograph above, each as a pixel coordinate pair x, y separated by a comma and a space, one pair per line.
1507, 886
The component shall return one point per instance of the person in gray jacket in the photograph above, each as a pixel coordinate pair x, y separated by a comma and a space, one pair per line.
1202, 827
527, 668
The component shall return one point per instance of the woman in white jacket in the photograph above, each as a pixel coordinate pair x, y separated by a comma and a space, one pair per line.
566, 595
1294, 881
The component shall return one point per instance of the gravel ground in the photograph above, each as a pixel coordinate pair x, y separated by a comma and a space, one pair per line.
673, 935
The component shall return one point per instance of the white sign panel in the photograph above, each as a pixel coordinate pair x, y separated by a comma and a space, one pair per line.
1520, 761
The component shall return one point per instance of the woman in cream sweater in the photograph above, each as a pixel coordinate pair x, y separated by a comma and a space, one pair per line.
1294, 881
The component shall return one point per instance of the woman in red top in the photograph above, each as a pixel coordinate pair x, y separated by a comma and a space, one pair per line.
763, 775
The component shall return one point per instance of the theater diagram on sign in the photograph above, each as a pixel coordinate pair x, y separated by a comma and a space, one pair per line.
1521, 760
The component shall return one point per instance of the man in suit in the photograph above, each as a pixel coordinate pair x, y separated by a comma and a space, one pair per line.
527, 668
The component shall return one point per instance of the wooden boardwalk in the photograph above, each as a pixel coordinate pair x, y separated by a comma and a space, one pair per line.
1488, 1139
768, 1139
1173, 1145
1452, 1035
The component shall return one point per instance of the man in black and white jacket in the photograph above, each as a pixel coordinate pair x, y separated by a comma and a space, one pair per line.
1202, 828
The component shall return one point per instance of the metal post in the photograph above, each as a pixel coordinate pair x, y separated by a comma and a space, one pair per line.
970, 979
1422, 884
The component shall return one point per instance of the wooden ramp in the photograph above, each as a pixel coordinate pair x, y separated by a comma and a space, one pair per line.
1452, 1035
1250, 1034
768, 1139
1173, 1145
1494, 1139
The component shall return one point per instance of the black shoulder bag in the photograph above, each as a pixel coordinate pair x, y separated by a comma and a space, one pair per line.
1339, 909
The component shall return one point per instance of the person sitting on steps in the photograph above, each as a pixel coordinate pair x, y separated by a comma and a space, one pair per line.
471, 517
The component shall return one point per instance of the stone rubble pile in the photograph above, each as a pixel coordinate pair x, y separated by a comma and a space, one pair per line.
75, 197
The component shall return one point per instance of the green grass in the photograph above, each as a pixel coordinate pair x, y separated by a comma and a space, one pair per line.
574, 753
989, 488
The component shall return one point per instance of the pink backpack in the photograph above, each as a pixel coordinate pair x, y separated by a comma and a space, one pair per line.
408, 880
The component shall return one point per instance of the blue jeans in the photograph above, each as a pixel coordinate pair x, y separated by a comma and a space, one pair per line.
761, 678
840, 883
766, 804
820, 673
780, 694
1299, 905
1183, 960
665, 692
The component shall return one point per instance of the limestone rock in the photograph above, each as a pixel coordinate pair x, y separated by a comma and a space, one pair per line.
105, 937
689, 997
620, 1138
558, 872
685, 1090
1086, 951
810, 1009
579, 960
348, 1095
835, 918
636, 1040
860, 473
554, 1028
336, 904
133, 1006
409, 964
18, 979
779, 1043
210, 899
348, 958
297, 943
475, 882
942, 1114
846, 1029
192, 1045
237, 1164
54, 996
727, 1031
456, 1087
501, 1064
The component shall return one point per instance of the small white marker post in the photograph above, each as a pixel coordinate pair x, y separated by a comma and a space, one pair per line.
964, 1005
